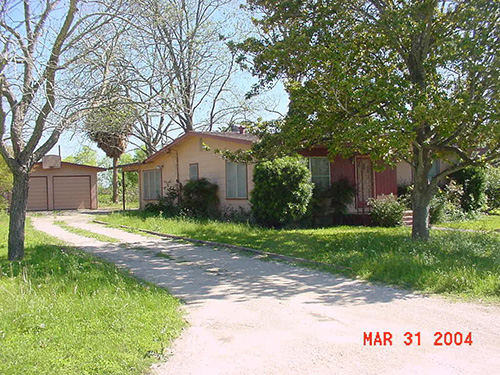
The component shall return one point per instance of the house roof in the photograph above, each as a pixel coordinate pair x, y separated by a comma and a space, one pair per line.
243, 138
99, 169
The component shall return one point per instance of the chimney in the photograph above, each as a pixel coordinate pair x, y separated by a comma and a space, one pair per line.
242, 129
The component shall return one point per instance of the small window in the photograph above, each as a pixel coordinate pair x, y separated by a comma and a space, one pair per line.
320, 172
151, 184
193, 172
236, 180
434, 169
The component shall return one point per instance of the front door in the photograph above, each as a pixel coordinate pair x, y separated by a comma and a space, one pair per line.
364, 181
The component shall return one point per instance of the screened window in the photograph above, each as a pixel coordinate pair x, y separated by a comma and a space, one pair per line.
236, 180
193, 172
151, 181
320, 172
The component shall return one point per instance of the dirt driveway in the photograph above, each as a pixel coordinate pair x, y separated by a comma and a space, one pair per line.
249, 316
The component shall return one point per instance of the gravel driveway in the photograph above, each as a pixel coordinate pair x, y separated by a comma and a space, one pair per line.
249, 316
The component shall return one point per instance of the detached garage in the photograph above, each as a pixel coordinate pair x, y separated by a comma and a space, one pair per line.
58, 185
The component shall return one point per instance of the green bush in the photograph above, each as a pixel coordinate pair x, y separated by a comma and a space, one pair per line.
493, 187
168, 205
446, 204
5, 183
386, 211
282, 191
235, 215
330, 206
200, 199
473, 180
341, 196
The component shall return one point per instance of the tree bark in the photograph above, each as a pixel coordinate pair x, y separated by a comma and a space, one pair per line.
18, 216
115, 180
421, 199
421, 216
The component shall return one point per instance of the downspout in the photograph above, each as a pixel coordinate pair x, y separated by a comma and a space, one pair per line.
178, 181
123, 189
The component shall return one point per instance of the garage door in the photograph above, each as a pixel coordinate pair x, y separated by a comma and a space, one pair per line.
37, 194
71, 192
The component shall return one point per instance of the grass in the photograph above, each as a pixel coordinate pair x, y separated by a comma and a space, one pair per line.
85, 233
65, 312
105, 202
489, 222
460, 264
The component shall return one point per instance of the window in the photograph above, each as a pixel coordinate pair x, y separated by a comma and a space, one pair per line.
193, 172
320, 172
151, 182
434, 170
236, 180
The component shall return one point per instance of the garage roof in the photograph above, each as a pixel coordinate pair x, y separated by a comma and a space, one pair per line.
98, 169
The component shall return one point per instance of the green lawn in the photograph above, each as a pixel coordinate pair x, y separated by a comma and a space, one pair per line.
105, 202
486, 223
460, 264
65, 312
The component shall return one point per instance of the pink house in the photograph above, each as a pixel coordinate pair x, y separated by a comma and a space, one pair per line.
58, 185
192, 156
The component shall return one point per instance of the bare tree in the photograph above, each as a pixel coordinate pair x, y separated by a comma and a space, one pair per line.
179, 68
41, 95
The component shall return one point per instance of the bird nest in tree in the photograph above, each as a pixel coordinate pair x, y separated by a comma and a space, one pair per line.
112, 144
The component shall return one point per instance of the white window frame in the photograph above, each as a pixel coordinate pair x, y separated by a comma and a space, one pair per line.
197, 172
239, 194
323, 176
151, 192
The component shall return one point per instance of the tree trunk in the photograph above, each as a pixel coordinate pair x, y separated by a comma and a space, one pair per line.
115, 180
17, 222
421, 198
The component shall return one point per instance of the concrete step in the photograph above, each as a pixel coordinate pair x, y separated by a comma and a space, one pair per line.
408, 218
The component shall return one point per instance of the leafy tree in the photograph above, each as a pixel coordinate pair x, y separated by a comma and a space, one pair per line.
86, 155
398, 80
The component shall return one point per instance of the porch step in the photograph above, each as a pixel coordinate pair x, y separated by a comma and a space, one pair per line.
408, 218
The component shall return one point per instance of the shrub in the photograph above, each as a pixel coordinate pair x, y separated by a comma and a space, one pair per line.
404, 189
404, 195
235, 215
493, 187
282, 191
5, 183
473, 180
341, 196
168, 204
200, 199
330, 206
446, 204
387, 211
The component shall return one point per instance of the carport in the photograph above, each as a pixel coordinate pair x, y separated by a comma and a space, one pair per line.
59, 185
